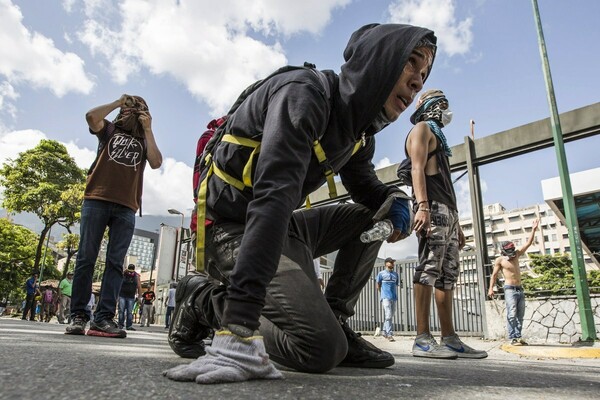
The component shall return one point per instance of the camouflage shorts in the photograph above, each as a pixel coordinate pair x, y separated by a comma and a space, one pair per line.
438, 253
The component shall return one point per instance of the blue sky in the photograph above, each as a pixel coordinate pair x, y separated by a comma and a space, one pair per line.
190, 59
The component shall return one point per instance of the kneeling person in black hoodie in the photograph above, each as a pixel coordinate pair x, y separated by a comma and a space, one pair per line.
283, 140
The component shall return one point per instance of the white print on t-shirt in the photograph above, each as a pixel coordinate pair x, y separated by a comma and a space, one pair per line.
125, 150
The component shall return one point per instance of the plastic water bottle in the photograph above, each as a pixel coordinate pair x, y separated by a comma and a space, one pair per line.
380, 231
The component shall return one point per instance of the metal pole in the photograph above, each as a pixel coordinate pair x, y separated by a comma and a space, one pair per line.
588, 329
478, 228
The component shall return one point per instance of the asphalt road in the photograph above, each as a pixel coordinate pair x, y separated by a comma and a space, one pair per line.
37, 361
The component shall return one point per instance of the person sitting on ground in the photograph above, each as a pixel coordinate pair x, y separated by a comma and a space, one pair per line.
285, 137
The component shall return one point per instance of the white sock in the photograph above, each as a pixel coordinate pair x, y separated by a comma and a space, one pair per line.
230, 358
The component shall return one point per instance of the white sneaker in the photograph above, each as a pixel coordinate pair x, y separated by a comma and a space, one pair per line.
453, 343
426, 346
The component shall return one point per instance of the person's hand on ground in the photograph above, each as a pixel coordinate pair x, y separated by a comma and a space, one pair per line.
230, 358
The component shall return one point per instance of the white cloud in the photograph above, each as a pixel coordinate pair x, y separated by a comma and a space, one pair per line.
13, 143
7, 96
167, 187
210, 48
454, 37
170, 186
384, 162
407, 248
463, 196
31, 58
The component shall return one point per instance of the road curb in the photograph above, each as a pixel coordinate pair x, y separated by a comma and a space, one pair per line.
548, 351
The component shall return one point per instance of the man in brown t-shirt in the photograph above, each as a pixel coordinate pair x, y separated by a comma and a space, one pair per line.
112, 196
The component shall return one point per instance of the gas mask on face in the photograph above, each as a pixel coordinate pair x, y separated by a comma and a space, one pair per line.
446, 117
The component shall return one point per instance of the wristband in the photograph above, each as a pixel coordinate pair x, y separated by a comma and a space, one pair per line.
424, 201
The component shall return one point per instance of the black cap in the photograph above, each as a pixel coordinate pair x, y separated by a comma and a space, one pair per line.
131, 266
70, 273
390, 259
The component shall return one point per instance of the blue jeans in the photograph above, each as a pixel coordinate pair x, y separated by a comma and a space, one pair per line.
126, 305
389, 306
168, 317
515, 310
96, 215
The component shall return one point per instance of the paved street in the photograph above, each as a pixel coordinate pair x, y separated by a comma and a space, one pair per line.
39, 362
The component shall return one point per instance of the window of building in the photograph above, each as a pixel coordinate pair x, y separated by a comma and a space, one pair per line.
554, 237
565, 235
567, 249
514, 218
547, 251
515, 231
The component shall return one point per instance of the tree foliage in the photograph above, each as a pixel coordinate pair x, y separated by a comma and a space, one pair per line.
553, 275
45, 181
17, 251
70, 244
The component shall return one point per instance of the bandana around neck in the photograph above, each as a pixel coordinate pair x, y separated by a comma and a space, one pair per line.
437, 131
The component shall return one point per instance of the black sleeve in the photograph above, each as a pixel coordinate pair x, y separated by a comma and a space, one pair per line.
295, 113
360, 180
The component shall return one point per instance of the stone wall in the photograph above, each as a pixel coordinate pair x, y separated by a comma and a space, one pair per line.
547, 320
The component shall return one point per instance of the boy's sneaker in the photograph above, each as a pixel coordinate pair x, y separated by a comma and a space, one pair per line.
77, 326
426, 346
523, 342
362, 354
106, 328
453, 343
515, 342
131, 328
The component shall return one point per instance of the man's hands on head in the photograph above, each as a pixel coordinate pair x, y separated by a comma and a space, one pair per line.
126, 100
145, 120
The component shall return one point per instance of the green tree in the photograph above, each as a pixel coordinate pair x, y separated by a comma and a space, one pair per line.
70, 245
70, 203
17, 251
35, 182
553, 275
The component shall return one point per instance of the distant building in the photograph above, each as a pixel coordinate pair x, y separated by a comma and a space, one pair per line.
143, 248
515, 225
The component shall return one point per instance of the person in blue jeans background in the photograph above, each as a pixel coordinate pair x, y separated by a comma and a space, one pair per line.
127, 297
170, 303
113, 194
514, 296
387, 285
31, 289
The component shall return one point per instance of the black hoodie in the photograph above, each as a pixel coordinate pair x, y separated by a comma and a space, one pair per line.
286, 114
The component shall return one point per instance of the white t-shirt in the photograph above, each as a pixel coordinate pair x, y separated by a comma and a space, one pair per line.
171, 298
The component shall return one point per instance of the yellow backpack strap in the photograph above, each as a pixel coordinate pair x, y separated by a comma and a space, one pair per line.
329, 174
201, 213
247, 172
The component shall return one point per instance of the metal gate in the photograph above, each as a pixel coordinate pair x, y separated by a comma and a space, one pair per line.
467, 307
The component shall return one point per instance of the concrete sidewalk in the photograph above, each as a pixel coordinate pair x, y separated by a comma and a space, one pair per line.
403, 344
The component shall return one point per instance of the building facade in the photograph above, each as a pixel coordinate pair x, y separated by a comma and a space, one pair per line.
501, 225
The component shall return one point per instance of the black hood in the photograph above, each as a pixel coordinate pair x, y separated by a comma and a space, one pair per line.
375, 57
